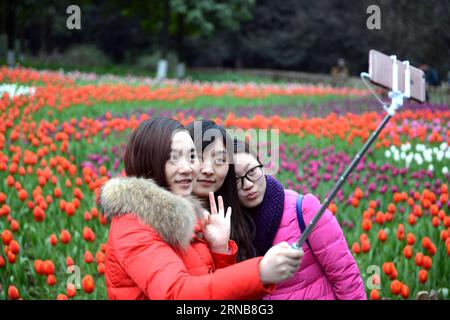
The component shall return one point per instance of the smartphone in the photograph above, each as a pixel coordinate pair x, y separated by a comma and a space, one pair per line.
381, 69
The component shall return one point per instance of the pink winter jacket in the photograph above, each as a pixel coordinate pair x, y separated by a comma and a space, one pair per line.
331, 272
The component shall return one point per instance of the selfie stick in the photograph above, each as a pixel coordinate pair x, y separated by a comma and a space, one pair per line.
397, 98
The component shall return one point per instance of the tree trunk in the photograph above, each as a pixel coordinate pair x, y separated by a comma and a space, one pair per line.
11, 33
181, 67
237, 50
165, 30
162, 63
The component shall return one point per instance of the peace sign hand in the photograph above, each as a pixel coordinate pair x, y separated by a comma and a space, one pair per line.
217, 224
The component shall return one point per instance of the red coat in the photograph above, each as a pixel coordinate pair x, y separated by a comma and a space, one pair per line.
155, 250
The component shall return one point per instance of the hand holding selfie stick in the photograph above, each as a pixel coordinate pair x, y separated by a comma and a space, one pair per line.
397, 98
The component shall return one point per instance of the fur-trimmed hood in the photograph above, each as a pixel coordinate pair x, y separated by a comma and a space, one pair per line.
172, 217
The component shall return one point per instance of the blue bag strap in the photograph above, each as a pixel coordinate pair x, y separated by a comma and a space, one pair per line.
300, 220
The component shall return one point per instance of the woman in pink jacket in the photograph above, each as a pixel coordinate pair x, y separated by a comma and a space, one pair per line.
328, 270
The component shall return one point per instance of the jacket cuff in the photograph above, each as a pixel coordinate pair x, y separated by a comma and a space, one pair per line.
267, 288
222, 260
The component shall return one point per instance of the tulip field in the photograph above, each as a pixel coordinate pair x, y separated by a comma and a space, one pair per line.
62, 135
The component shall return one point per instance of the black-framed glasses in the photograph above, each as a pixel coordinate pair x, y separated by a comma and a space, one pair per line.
252, 175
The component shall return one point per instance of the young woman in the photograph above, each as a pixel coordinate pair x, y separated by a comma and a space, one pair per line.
217, 174
328, 269
161, 242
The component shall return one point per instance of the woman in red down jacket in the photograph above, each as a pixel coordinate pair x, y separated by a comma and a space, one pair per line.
162, 244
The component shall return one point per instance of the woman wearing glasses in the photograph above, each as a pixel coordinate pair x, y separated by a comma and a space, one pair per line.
328, 269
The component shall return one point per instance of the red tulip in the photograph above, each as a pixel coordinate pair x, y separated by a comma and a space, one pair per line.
49, 267
51, 280
88, 257
13, 293
53, 240
88, 284
71, 290
423, 276
7, 237
65, 236
374, 294
69, 261
14, 247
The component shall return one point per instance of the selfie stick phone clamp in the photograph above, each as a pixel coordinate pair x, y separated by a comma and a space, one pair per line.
397, 98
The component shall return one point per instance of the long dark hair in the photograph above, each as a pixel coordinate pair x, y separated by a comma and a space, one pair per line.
148, 149
242, 226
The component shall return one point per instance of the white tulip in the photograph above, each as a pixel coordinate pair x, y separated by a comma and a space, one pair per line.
444, 170
387, 154
418, 158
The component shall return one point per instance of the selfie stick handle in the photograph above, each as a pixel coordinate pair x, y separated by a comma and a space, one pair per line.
397, 98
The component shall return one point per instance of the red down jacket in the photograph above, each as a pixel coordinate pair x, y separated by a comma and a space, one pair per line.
155, 250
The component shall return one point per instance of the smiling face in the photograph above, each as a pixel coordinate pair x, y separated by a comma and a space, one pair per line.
251, 194
182, 167
213, 169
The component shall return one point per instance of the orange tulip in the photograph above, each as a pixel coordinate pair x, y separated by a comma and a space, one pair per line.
11, 257
427, 262
101, 268
366, 225
53, 240
57, 193
70, 209
62, 296
49, 267
88, 284
39, 267
39, 214
7, 237
396, 287
412, 219
69, 261
380, 218
407, 252
358, 193
419, 259
14, 247
15, 225
410, 239
87, 216
426, 242
365, 246
65, 236
374, 294
88, 257
88, 234
405, 291
423, 276
382, 236
51, 280
99, 257
23, 195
